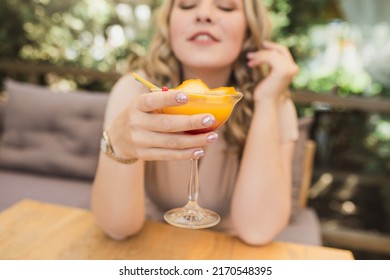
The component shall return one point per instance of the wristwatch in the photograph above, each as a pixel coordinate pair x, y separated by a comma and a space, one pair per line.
106, 148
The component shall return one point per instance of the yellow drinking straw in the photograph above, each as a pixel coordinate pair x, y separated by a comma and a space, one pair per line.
145, 82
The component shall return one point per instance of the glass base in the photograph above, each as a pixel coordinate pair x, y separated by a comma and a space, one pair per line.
192, 216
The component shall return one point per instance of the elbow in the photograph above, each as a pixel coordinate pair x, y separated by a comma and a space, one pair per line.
255, 239
119, 233
119, 229
116, 223
260, 234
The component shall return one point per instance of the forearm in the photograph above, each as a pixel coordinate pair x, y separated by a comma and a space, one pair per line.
118, 197
261, 201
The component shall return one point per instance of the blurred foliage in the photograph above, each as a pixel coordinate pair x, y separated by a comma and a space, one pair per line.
11, 29
292, 19
96, 34
90, 34
341, 60
327, 48
353, 141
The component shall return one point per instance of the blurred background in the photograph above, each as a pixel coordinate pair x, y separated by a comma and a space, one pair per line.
342, 47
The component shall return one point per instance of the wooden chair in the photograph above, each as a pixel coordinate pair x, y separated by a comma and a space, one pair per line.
303, 163
3, 97
307, 171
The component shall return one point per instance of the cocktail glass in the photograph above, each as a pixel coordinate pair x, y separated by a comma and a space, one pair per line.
220, 105
219, 102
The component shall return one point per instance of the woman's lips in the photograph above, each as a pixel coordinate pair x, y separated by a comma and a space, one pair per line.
203, 37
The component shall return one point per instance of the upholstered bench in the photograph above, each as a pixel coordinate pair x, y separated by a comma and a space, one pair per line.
50, 144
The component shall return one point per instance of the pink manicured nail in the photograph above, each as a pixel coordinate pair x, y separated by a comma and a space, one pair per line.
212, 137
181, 97
198, 153
208, 121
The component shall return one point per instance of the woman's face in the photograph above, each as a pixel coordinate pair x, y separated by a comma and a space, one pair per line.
207, 34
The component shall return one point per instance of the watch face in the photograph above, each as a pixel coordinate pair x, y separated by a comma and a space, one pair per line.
103, 145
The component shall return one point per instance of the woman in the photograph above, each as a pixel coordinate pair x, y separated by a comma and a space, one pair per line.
248, 170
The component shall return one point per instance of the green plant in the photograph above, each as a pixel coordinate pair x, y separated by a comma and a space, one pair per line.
78, 33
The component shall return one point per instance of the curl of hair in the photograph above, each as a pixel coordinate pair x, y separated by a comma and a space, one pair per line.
160, 63
245, 78
162, 67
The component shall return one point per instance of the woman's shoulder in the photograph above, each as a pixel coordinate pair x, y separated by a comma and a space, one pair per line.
122, 94
127, 84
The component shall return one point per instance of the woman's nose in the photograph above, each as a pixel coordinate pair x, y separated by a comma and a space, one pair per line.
204, 12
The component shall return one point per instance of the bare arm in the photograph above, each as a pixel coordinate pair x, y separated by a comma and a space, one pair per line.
117, 193
262, 197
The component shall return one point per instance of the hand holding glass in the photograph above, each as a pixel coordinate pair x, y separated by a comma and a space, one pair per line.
220, 103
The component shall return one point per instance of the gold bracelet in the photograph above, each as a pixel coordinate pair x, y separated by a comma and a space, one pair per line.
106, 148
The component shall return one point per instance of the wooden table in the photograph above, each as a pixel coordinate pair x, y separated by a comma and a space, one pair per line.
35, 230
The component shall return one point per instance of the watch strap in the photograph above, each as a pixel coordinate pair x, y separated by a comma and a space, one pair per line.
109, 151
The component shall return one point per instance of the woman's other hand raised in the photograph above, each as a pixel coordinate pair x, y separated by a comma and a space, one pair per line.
281, 70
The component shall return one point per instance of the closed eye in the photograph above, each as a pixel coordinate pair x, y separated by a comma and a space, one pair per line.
227, 5
226, 9
187, 7
187, 4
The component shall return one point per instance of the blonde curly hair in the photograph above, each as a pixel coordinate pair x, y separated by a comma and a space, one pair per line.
162, 67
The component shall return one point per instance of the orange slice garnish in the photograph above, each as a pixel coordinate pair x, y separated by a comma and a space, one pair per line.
224, 90
193, 85
190, 86
198, 86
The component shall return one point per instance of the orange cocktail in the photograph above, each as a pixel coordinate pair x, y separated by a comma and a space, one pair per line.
219, 102
201, 100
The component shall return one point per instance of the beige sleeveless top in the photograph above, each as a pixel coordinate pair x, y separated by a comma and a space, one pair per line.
166, 181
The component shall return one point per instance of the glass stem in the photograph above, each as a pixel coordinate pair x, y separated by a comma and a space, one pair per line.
193, 184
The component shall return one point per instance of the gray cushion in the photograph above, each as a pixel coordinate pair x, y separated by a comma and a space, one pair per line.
49, 132
304, 229
15, 186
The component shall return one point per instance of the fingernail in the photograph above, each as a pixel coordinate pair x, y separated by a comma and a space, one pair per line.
181, 97
212, 137
208, 121
198, 153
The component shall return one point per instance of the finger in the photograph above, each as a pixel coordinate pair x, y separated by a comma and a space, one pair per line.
150, 102
173, 140
264, 56
282, 66
170, 154
271, 48
270, 57
175, 123
277, 47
